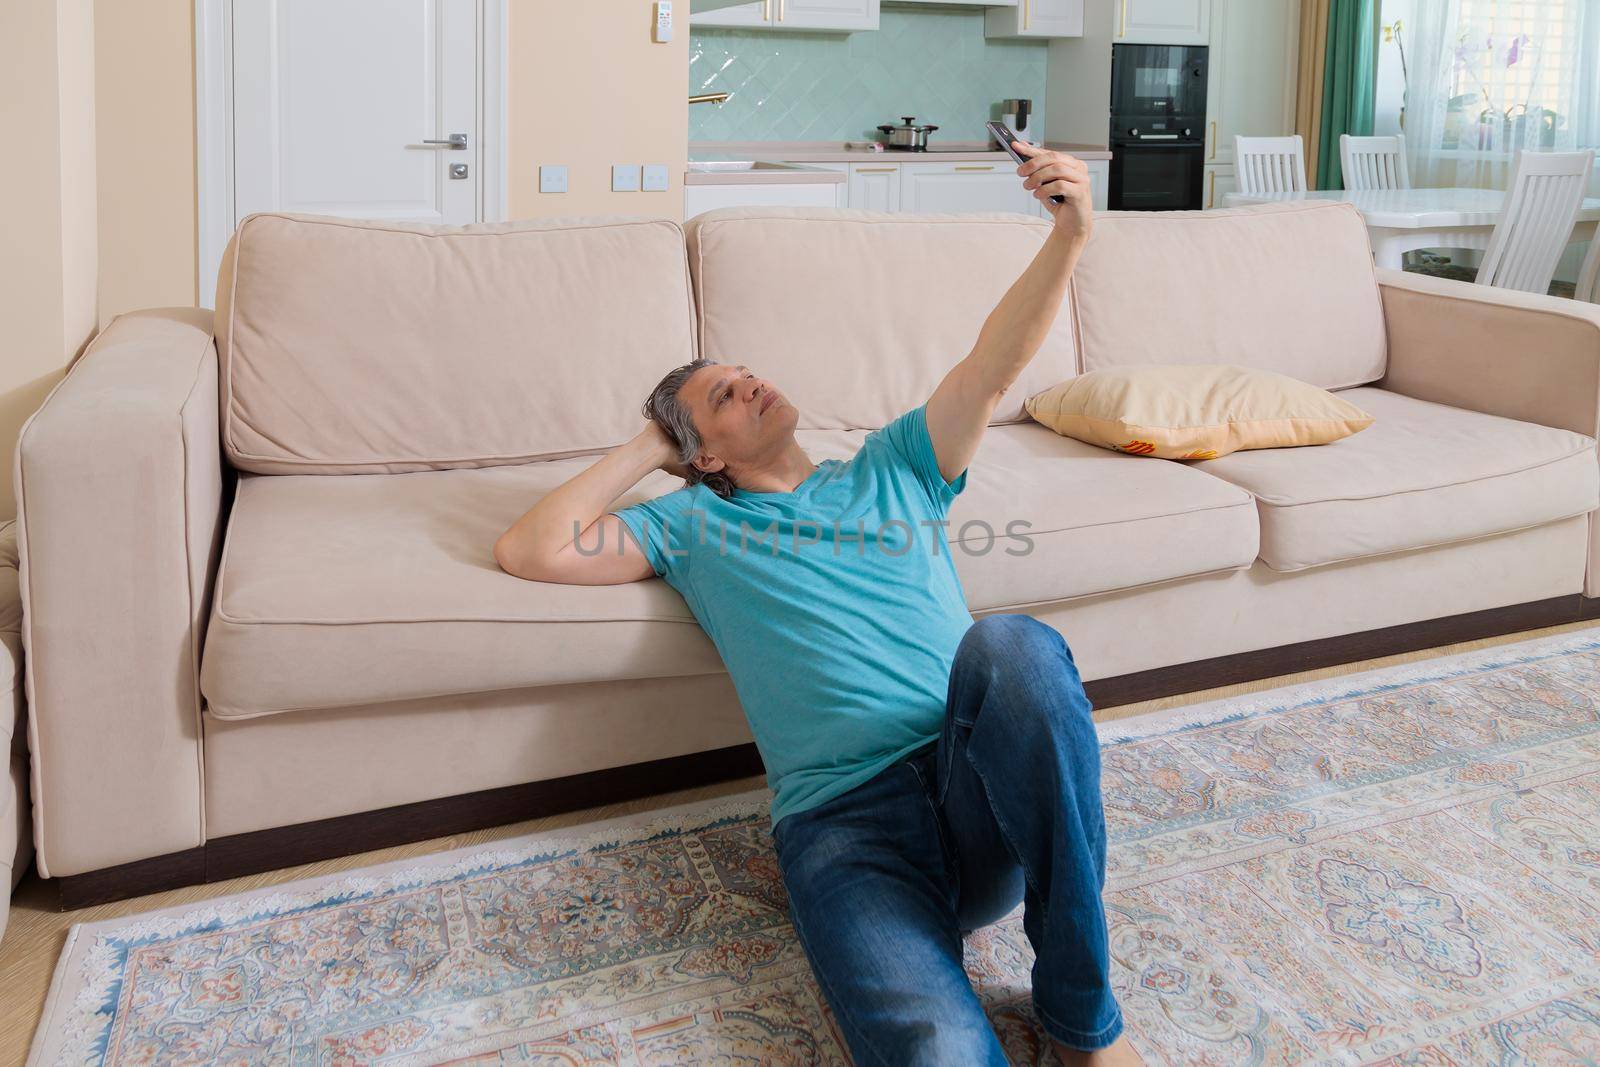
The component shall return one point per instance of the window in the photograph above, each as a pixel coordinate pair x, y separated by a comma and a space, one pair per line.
1513, 73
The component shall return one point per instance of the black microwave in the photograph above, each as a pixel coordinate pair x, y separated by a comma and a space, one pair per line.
1157, 89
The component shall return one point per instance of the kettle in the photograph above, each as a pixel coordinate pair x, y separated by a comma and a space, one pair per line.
1016, 114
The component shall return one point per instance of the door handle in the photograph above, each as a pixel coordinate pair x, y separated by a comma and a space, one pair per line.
457, 141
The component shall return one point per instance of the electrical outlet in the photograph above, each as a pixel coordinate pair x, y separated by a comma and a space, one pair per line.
553, 179
655, 177
625, 177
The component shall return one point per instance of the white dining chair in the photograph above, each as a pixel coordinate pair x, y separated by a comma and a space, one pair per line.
1373, 162
1270, 164
1535, 227
1589, 277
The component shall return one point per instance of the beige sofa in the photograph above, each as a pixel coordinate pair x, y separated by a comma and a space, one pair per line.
16, 824
263, 615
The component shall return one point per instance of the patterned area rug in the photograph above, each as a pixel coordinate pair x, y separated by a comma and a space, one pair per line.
1398, 867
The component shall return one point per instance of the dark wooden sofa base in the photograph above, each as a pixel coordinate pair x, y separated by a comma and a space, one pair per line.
287, 846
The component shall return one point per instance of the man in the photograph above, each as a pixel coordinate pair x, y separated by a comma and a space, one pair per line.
929, 771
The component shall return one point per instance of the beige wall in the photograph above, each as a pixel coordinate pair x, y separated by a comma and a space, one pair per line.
103, 217
144, 96
588, 88
562, 107
47, 230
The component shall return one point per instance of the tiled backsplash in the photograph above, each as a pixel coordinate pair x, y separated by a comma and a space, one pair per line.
931, 62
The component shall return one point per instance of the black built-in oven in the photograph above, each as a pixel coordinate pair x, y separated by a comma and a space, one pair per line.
1158, 118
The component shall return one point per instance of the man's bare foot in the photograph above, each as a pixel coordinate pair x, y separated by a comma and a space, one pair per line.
1117, 1054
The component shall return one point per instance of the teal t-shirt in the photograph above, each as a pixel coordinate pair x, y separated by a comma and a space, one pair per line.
836, 607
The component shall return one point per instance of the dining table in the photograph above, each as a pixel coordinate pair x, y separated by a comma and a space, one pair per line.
1404, 220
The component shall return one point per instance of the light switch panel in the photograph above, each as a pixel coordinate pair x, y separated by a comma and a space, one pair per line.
655, 177
553, 179
625, 177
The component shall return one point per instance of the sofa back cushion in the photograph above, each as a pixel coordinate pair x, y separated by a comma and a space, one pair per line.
1283, 287
352, 346
858, 315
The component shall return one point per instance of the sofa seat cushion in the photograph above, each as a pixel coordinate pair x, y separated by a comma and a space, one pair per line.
338, 590
1095, 521
335, 590
1422, 474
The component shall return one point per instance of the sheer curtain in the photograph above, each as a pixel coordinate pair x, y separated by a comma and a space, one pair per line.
1491, 77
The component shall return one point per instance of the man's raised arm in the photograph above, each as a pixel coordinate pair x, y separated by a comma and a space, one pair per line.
960, 408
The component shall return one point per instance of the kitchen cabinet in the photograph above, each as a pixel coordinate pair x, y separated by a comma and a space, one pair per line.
1165, 21
702, 198
845, 16
1250, 89
827, 14
756, 14
1035, 18
1220, 181
875, 186
892, 185
957, 187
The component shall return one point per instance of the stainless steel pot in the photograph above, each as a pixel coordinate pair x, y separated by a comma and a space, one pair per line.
907, 135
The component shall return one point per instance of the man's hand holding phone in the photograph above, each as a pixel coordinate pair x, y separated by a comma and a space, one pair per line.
1049, 174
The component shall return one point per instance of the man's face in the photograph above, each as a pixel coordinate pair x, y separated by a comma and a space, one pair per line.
742, 419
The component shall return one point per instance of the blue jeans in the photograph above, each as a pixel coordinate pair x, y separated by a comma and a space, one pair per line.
885, 879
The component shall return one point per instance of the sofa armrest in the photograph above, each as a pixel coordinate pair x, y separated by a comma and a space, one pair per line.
1520, 355
16, 818
120, 496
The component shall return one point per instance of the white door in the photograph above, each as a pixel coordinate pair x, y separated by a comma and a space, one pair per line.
875, 188
1165, 21
323, 108
332, 104
826, 14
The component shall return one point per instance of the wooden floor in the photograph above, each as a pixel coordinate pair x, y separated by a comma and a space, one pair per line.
36, 933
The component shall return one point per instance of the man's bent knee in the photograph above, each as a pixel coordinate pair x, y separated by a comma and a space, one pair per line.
1005, 638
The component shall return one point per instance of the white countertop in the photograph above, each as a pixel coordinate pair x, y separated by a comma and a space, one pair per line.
765, 172
802, 152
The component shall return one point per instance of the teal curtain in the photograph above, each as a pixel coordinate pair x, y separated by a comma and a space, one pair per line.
1349, 84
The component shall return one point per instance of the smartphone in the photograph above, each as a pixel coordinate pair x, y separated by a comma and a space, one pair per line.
1002, 133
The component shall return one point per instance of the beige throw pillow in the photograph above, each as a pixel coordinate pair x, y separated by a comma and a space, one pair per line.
1193, 411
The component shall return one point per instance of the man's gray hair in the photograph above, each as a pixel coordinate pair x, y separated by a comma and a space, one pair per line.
668, 410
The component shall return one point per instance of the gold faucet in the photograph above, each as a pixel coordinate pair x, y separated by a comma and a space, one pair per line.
709, 98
